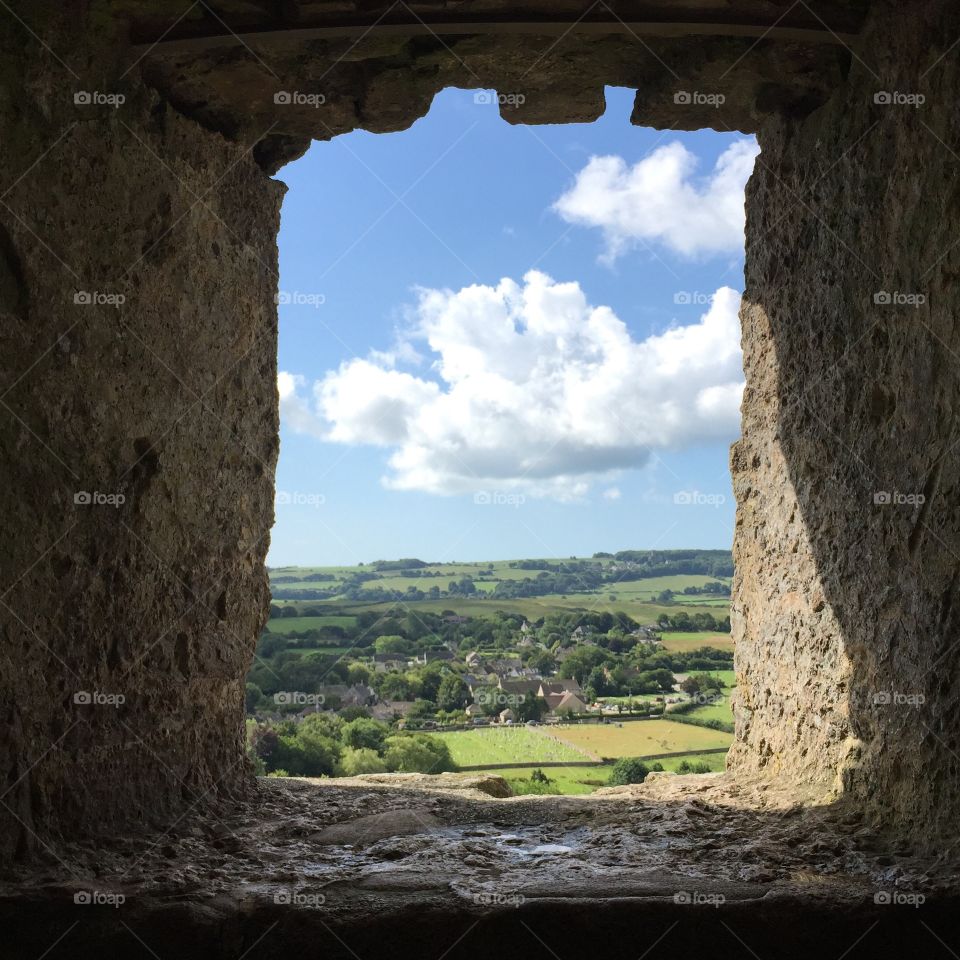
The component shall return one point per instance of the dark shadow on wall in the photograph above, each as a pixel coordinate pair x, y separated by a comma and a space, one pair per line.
848, 536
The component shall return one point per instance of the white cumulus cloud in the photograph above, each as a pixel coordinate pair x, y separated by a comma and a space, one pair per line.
659, 199
535, 390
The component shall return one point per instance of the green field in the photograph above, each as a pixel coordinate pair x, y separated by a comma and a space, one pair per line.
727, 677
508, 745
589, 777
317, 651
535, 608
284, 625
634, 597
568, 780
678, 642
569, 743
721, 710
714, 711
639, 738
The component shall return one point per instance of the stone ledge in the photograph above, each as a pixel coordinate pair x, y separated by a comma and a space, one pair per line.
354, 865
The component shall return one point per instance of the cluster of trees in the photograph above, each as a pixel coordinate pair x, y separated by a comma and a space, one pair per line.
560, 577
668, 563
614, 663
303, 578
702, 686
302, 593
710, 588
629, 770
409, 563
691, 622
327, 745
633, 770
647, 670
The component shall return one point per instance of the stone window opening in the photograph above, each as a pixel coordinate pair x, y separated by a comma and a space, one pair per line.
836, 829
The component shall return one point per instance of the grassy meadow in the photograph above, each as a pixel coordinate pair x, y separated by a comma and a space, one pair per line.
639, 738
508, 745
634, 597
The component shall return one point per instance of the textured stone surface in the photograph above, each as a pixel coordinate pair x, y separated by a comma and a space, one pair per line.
166, 399
383, 84
845, 613
388, 866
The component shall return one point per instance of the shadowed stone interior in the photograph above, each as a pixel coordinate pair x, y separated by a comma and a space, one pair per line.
138, 267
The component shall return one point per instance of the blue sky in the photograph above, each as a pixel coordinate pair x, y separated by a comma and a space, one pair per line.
430, 409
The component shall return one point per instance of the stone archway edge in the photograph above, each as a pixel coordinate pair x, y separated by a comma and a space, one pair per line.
654, 29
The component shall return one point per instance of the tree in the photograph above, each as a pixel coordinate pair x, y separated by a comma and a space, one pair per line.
362, 760
357, 673
655, 681
395, 686
354, 712
419, 753
422, 708
685, 766
365, 734
325, 724
581, 662
393, 644
707, 683
453, 693
542, 661
531, 708
306, 754
597, 683
263, 741
430, 678
628, 770
252, 697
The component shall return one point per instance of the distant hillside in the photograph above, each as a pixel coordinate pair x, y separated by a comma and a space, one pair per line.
693, 572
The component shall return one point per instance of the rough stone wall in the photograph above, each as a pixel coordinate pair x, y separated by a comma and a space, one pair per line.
166, 400
845, 612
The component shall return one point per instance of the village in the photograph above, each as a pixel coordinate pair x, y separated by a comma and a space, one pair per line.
449, 681
499, 687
